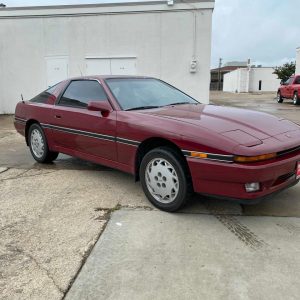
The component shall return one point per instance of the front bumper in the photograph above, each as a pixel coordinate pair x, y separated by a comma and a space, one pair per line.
227, 180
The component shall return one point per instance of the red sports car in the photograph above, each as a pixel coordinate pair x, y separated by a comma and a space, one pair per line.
165, 138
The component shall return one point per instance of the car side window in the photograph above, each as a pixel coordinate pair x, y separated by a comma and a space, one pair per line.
80, 92
297, 81
44, 96
289, 81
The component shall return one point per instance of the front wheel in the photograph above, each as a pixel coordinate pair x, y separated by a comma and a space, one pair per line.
38, 145
165, 179
296, 99
279, 98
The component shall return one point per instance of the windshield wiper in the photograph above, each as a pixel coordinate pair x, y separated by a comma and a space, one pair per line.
179, 103
143, 107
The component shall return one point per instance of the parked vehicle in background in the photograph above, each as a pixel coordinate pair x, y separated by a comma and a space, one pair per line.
290, 89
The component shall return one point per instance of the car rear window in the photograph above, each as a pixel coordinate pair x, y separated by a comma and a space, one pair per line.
44, 96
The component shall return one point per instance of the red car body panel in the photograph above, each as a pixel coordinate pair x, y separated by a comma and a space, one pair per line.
229, 179
114, 140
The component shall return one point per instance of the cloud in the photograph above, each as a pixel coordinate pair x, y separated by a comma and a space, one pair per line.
266, 31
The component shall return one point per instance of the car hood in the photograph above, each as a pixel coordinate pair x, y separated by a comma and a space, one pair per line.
246, 127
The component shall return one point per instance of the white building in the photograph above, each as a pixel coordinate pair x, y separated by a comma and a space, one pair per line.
298, 60
40, 46
254, 79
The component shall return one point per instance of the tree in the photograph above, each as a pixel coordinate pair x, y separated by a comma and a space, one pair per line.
286, 71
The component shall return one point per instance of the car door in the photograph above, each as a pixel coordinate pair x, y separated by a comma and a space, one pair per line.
296, 84
77, 128
289, 88
283, 88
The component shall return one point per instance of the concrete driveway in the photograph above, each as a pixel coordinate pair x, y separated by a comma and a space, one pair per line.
154, 255
52, 216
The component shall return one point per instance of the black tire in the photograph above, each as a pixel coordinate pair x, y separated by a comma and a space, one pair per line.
279, 97
296, 99
184, 187
46, 156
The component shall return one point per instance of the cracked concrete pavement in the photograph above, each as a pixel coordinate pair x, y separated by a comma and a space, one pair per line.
49, 221
44, 238
52, 215
154, 255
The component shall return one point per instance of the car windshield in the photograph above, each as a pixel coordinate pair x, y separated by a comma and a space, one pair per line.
289, 81
143, 93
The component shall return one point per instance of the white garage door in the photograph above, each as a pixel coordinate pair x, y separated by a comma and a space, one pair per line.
57, 69
111, 66
98, 67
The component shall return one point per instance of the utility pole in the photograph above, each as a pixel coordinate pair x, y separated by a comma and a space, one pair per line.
219, 73
248, 75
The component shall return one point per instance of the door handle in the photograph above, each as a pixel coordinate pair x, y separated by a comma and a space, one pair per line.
57, 116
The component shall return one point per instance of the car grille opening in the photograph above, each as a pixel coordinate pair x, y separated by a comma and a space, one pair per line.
284, 178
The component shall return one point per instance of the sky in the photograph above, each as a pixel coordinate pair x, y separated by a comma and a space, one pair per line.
266, 31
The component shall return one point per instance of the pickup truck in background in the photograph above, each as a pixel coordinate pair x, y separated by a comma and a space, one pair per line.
290, 89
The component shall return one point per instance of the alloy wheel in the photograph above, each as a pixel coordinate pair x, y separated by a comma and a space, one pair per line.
295, 99
162, 180
37, 143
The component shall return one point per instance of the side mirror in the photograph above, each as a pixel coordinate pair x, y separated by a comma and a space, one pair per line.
103, 106
281, 82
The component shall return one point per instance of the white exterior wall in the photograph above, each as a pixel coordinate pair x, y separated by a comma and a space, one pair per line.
158, 36
298, 60
235, 81
231, 81
269, 81
243, 81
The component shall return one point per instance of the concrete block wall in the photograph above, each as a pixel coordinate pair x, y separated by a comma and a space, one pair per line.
164, 39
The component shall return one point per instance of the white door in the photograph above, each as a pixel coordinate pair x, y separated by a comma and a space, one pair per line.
123, 66
57, 70
98, 66
111, 66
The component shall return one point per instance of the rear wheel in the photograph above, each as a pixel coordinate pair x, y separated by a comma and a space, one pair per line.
38, 145
279, 97
296, 99
165, 179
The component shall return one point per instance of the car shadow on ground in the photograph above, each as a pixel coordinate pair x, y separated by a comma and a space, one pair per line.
15, 154
286, 203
